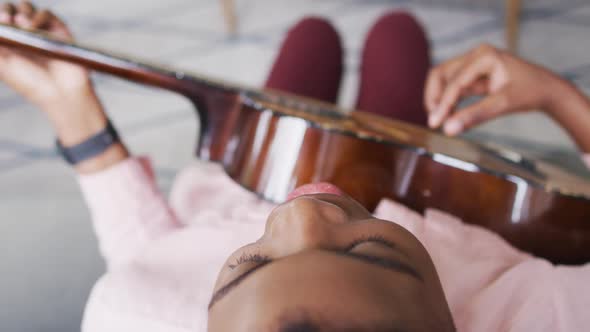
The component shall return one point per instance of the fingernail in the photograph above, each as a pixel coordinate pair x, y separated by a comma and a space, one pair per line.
4, 17
453, 127
434, 119
431, 121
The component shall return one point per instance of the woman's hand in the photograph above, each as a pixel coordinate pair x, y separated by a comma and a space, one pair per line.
62, 90
43, 81
507, 83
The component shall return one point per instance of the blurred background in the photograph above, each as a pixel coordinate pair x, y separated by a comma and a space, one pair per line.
49, 259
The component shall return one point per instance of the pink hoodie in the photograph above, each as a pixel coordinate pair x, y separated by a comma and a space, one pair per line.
163, 259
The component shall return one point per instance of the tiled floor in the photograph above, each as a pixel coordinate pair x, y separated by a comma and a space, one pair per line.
49, 259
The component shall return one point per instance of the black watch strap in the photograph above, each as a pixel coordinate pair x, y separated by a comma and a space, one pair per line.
91, 147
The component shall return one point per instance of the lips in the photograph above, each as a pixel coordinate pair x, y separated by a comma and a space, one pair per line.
315, 188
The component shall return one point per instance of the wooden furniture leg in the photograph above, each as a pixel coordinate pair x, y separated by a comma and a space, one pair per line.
229, 14
513, 8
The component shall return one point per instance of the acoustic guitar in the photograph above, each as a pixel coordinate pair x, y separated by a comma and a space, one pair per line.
271, 142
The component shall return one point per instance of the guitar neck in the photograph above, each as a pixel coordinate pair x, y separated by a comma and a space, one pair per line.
124, 67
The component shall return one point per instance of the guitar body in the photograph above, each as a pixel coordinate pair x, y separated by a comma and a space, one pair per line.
271, 142
270, 152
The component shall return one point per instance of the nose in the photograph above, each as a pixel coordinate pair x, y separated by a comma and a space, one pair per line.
304, 223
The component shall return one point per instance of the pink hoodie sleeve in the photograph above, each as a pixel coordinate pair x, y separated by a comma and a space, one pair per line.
127, 209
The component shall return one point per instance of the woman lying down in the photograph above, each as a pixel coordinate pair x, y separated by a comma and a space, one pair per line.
319, 261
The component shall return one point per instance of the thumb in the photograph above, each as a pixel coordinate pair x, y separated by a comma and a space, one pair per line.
473, 115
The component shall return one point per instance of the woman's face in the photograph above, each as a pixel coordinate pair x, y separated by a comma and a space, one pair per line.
325, 257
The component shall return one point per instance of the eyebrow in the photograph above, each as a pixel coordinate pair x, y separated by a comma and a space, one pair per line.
389, 264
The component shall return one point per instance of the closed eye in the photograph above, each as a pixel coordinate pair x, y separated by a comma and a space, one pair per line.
258, 258
370, 238
245, 258
390, 264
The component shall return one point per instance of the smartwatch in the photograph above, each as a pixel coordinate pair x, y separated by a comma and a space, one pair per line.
89, 148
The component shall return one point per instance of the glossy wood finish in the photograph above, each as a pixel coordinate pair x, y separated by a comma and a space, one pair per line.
528, 216
271, 142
